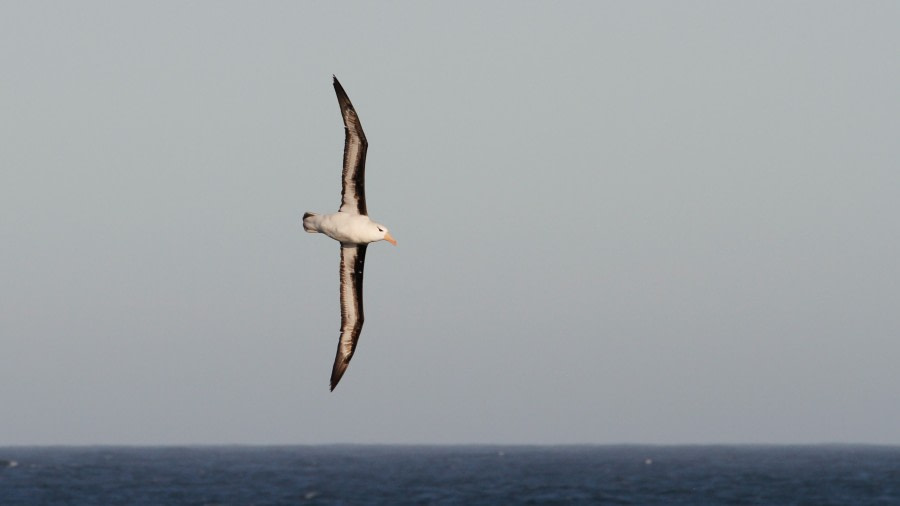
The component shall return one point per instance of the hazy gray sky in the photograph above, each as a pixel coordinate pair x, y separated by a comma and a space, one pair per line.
650, 222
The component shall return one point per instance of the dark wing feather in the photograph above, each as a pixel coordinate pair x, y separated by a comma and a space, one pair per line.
353, 259
353, 192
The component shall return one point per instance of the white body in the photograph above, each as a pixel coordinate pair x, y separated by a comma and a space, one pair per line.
345, 227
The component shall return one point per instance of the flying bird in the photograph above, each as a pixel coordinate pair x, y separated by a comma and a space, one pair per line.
351, 227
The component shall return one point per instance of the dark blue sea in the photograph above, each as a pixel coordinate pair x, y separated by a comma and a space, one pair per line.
489, 475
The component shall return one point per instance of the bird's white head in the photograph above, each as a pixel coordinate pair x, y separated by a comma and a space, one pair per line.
382, 233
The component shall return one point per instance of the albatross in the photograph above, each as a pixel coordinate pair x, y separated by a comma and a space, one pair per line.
352, 227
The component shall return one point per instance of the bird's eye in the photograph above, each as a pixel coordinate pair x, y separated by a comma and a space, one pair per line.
380, 229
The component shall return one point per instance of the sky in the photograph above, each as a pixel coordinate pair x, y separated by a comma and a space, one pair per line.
618, 222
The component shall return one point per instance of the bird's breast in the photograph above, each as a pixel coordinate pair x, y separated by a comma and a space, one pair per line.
346, 228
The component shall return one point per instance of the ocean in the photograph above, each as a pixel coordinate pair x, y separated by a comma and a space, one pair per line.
470, 475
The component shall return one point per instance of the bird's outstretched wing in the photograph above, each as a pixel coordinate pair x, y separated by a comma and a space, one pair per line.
353, 192
353, 259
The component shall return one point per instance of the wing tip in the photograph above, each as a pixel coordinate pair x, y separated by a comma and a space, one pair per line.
343, 99
337, 373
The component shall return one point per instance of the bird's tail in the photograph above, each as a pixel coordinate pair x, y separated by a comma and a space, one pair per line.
309, 223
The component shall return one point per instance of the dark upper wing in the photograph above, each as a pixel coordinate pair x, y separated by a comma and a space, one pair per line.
353, 259
353, 192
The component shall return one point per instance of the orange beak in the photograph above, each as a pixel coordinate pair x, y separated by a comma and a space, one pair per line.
388, 238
